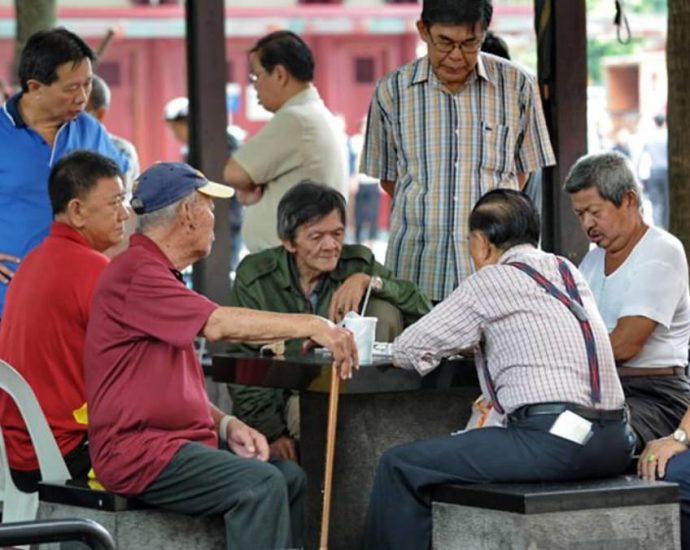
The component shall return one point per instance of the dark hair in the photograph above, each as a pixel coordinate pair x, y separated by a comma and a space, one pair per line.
307, 202
45, 51
100, 93
660, 120
457, 12
287, 49
76, 174
507, 218
495, 45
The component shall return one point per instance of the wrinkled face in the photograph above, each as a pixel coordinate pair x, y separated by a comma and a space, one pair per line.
606, 224
453, 51
266, 84
65, 98
203, 221
317, 245
103, 214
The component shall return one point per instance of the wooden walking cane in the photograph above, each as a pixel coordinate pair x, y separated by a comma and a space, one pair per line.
330, 455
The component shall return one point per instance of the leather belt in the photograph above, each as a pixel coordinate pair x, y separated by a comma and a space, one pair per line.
625, 372
558, 408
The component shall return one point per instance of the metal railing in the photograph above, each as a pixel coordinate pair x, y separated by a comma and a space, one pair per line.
56, 530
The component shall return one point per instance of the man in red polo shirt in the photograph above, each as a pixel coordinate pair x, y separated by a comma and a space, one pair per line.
47, 309
152, 430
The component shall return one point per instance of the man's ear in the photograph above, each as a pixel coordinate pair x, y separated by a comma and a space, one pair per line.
75, 213
282, 74
630, 198
33, 85
187, 215
289, 246
422, 30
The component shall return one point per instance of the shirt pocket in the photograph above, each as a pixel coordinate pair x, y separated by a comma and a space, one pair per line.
496, 159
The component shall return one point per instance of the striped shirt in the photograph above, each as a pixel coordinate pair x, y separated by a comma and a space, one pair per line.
532, 344
444, 151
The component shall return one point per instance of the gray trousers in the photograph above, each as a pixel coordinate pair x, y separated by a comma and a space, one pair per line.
262, 504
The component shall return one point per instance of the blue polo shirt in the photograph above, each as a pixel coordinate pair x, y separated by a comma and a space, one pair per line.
25, 163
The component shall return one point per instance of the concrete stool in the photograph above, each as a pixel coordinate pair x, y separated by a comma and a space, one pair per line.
132, 524
623, 513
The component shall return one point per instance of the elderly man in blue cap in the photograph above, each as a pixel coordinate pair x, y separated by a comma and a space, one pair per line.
171, 447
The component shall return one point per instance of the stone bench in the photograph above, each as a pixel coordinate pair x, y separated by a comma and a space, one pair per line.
623, 513
132, 523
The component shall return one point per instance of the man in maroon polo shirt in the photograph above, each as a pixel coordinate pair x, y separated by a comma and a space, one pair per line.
47, 310
153, 433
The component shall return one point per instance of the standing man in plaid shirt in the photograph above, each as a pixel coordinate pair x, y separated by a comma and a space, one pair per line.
442, 131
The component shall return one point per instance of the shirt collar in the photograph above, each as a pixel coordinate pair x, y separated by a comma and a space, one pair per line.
147, 244
63, 231
12, 109
515, 252
422, 72
305, 96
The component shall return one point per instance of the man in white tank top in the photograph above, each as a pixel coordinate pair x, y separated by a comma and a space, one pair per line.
639, 277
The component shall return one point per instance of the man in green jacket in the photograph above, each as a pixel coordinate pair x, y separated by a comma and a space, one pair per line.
313, 271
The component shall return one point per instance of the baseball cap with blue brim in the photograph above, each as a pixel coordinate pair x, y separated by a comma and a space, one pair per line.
167, 182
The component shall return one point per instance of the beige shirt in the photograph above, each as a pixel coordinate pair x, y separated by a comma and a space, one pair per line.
301, 141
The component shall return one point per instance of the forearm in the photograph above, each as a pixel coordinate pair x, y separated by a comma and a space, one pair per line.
253, 326
237, 177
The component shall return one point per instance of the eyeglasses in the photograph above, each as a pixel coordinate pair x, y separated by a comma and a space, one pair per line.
254, 77
446, 46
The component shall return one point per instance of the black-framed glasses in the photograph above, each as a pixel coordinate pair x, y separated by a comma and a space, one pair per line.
471, 45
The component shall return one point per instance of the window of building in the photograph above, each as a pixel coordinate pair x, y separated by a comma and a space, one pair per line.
364, 70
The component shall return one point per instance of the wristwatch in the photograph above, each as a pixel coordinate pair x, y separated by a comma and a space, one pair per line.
376, 283
681, 437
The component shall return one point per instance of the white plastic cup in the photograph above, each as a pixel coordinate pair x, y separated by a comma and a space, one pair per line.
364, 330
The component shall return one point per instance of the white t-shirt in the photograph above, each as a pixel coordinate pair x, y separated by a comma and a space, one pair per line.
652, 283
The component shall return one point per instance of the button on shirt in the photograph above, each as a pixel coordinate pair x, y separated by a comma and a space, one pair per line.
532, 343
25, 164
443, 151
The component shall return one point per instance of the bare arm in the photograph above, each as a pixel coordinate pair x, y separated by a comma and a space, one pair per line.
629, 336
241, 439
237, 177
249, 325
522, 180
388, 186
5, 272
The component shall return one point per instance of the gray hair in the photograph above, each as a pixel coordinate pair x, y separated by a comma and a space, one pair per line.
610, 173
163, 216
100, 93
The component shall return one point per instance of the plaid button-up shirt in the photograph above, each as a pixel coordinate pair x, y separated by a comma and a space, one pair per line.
532, 344
443, 151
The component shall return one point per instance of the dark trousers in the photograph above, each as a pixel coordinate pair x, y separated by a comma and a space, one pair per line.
77, 460
367, 201
656, 403
262, 504
678, 471
399, 515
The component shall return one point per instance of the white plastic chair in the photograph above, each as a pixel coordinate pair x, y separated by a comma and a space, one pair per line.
17, 505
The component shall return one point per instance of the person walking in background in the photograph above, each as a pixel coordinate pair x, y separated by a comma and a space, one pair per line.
176, 115
301, 141
367, 195
444, 129
653, 171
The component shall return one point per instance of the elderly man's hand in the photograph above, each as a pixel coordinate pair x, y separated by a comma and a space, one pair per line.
341, 343
5, 272
246, 442
655, 457
284, 447
348, 296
